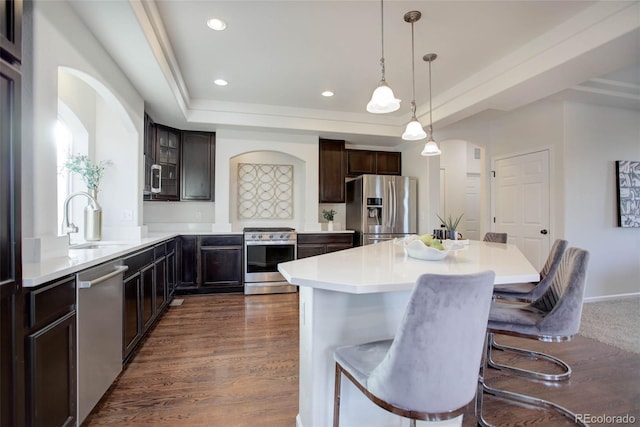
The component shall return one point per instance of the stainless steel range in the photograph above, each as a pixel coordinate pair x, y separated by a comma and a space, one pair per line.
264, 249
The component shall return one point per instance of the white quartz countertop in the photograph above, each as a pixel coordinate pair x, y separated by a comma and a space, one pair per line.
385, 267
34, 274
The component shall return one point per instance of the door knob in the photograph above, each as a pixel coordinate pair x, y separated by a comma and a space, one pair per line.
544, 231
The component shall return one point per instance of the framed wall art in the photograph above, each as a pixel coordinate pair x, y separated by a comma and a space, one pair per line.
265, 191
628, 193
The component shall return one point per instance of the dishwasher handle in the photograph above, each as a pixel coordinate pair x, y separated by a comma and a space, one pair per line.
89, 283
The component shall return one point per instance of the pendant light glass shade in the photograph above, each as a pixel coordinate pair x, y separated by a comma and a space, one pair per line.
431, 147
383, 100
414, 130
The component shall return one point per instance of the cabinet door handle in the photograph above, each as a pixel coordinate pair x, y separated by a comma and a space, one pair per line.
544, 231
156, 178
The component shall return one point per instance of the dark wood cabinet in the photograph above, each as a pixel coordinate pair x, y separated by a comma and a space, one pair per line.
12, 404
210, 264
149, 154
166, 156
132, 326
11, 30
198, 165
148, 291
361, 162
221, 263
51, 360
187, 262
388, 163
331, 169
171, 268
322, 243
138, 305
178, 165
160, 283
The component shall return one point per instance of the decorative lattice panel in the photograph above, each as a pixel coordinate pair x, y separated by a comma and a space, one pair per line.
265, 191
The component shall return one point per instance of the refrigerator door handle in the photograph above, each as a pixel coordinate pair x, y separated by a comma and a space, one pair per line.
390, 205
394, 203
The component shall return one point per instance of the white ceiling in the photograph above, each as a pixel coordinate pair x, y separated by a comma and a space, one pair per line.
278, 56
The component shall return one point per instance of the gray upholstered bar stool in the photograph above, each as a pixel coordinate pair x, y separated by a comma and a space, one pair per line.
429, 370
529, 292
495, 237
554, 317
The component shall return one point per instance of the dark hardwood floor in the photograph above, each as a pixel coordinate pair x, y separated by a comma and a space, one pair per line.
232, 361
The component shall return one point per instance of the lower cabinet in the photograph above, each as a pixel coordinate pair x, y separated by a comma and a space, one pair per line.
146, 292
50, 358
210, 264
322, 243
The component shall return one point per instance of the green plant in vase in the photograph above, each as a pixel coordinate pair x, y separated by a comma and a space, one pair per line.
329, 215
89, 171
451, 224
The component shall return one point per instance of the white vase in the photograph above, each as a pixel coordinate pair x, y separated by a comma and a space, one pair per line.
330, 226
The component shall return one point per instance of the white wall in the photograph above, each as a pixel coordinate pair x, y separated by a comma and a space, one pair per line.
595, 137
55, 37
300, 150
537, 126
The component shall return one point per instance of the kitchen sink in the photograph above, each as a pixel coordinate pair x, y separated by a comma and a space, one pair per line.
97, 245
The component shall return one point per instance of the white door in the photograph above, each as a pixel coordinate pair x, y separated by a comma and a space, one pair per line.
472, 207
521, 203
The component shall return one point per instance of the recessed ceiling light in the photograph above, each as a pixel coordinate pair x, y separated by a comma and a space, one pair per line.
327, 93
221, 82
216, 24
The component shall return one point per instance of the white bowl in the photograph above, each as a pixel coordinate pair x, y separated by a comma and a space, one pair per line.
417, 249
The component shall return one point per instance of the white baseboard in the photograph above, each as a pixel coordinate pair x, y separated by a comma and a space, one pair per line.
611, 297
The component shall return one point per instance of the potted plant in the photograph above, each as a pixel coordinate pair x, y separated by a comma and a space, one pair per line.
451, 225
90, 172
328, 215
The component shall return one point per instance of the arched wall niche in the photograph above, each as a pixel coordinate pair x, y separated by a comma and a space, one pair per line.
112, 137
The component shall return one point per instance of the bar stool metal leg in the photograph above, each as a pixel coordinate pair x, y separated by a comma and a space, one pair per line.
512, 396
566, 369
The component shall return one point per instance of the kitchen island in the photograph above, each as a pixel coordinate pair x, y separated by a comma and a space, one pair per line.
359, 295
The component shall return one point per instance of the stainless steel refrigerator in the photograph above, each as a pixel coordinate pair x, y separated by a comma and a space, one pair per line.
381, 207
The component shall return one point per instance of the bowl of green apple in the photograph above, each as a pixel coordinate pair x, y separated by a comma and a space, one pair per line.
425, 247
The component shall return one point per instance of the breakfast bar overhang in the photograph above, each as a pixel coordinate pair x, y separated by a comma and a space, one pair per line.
359, 295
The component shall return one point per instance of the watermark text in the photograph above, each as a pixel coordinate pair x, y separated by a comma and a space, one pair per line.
606, 419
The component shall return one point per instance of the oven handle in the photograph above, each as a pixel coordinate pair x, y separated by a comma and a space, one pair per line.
270, 243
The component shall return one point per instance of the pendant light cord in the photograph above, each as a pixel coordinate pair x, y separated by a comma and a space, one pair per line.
413, 73
430, 108
382, 37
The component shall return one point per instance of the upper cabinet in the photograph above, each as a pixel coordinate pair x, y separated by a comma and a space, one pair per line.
167, 156
336, 163
331, 160
178, 165
388, 163
198, 161
11, 30
361, 162
149, 159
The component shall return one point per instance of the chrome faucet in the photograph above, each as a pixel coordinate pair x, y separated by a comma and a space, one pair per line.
92, 217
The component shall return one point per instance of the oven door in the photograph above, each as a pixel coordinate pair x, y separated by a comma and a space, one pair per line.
262, 259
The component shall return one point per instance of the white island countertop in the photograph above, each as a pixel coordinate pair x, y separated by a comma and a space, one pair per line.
360, 295
385, 267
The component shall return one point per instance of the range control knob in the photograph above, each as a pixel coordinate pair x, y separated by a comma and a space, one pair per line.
271, 236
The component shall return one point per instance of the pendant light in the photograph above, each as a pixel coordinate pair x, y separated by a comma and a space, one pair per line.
382, 101
414, 130
431, 147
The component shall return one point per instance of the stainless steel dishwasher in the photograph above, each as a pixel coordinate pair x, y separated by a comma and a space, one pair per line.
99, 317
